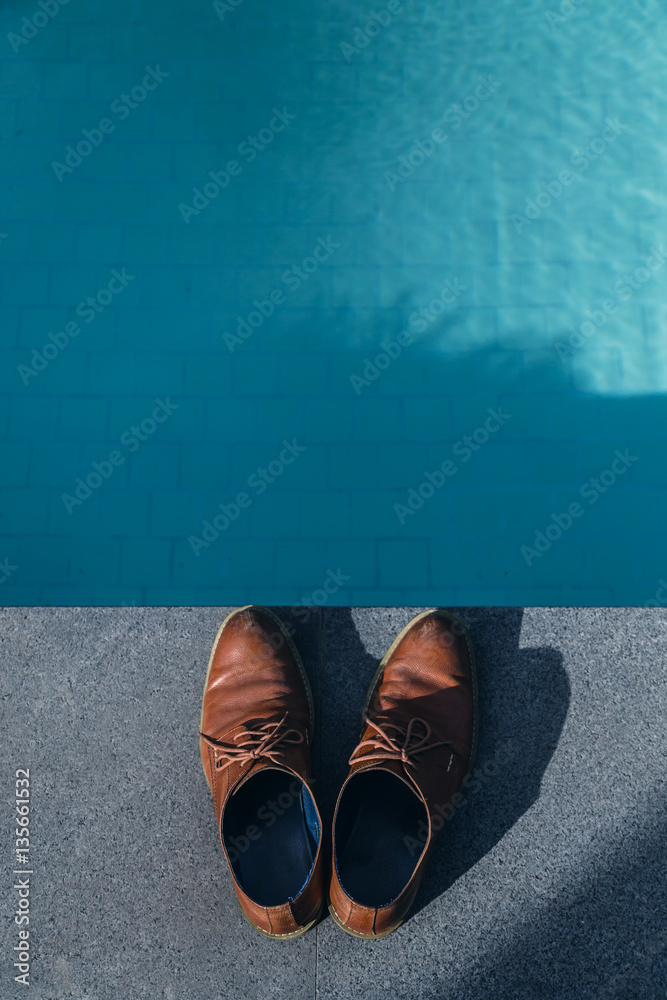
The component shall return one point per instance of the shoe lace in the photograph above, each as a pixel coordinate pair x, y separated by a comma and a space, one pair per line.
387, 747
262, 742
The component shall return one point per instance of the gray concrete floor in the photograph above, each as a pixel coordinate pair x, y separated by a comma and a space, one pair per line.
549, 883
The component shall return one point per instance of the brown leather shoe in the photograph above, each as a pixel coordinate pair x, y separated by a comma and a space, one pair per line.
417, 745
255, 733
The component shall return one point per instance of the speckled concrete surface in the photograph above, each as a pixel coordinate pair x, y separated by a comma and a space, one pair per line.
548, 883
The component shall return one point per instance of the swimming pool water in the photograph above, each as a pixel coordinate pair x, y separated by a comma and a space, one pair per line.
333, 302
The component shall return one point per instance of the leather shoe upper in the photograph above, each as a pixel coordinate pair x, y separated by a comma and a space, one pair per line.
257, 714
421, 725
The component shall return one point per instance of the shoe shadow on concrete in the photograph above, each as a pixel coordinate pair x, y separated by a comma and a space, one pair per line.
523, 701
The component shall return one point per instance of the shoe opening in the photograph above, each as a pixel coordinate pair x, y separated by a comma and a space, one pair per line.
270, 830
378, 824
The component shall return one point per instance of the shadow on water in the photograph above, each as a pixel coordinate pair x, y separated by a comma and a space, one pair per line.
325, 177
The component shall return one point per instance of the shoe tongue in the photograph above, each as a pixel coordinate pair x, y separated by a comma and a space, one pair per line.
394, 765
290, 760
261, 764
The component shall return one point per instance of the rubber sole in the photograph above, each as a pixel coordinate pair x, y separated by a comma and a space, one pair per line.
367, 937
285, 937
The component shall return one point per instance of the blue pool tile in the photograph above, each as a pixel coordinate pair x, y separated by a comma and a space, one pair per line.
355, 559
454, 563
160, 464
175, 513
326, 514
247, 561
125, 513
403, 562
83, 418
209, 565
300, 562
24, 511
322, 366
33, 418
288, 514
44, 563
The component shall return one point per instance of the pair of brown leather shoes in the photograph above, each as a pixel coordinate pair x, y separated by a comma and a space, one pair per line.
417, 746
